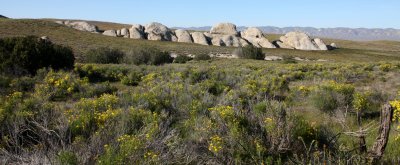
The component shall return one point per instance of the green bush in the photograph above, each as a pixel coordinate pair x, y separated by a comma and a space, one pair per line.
331, 95
104, 55
181, 59
148, 56
25, 55
67, 158
202, 57
250, 52
132, 79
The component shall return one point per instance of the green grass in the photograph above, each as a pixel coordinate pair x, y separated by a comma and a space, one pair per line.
350, 51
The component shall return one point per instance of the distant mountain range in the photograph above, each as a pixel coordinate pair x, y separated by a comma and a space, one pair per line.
359, 34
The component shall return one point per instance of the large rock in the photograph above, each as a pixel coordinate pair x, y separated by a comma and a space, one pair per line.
301, 41
82, 26
199, 38
136, 32
321, 45
111, 33
224, 29
183, 36
125, 33
157, 31
256, 37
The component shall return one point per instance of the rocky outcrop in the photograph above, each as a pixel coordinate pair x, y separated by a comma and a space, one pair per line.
321, 45
256, 38
199, 38
224, 29
223, 34
80, 25
111, 33
124, 33
183, 36
300, 41
136, 32
157, 31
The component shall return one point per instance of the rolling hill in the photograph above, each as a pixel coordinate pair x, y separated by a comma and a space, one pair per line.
83, 41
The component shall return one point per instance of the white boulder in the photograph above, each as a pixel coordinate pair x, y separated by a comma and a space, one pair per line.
256, 38
183, 36
224, 29
157, 31
111, 33
199, 38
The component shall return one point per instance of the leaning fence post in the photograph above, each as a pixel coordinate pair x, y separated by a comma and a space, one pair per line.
379, 146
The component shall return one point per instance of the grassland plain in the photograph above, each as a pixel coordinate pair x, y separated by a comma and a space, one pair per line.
218, 111
351, 51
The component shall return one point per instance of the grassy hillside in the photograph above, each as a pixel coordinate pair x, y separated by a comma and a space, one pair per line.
82, 41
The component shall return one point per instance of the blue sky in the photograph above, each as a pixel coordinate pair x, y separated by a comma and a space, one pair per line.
313, 13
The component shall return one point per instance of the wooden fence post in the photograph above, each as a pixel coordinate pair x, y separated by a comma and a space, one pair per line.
379, 146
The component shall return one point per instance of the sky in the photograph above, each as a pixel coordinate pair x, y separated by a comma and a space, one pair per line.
194, 13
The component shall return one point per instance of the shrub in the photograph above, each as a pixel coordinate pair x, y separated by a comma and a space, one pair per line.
202, 57
67, 158
132, 79
59, 86
332, 95
148, 56
25, 55
251, 52
104, 55
181, 59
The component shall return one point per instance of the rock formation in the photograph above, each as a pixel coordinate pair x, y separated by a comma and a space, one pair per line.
256, 38
183, 36
225, 29
124, 33
300, 41
80, 25
136, 32
223, 34
111, 33
199, 38
157, 31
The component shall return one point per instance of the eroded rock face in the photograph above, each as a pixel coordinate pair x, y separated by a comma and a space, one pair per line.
183, 36
136, 32
301, 41
321, 45
226, 40
111, 33
224, 29
82, 26
125, 33
256, 38
199, 38
157, 31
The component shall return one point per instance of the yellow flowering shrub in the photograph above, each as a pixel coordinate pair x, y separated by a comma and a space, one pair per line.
396, 114
59, 85
90, 114
9, 103
225, 112
128, 147
360, 102
386, 67
215, 144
